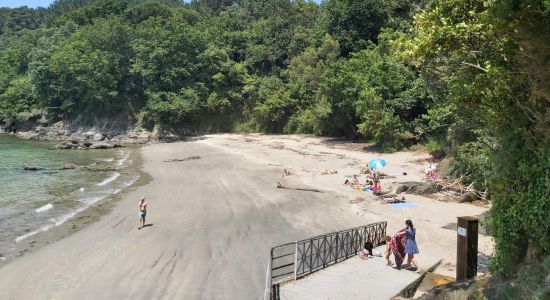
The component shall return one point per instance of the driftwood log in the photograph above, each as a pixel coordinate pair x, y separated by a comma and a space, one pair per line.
280, 186
183, 159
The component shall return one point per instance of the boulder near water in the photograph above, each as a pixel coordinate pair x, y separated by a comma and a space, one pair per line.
102, 145
69, 166
33, 168
98, 137
64, 145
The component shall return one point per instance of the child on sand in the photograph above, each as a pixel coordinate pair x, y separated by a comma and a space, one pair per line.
376, 180
388, 250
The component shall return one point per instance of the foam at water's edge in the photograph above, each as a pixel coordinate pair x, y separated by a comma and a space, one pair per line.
110, 159
121, 161
87, 202
62, 219
29, 234
128, 183
92, 200
44, 208
111, 178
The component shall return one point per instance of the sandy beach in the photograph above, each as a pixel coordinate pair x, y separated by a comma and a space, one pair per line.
213, 219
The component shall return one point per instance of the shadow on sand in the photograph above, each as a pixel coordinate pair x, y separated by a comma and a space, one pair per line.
147, 225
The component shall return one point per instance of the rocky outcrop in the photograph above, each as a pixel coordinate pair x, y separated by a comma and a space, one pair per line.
33, 168
69, 166
98, 137
96, 168
75, 135
468, 197
103, 145
83, 145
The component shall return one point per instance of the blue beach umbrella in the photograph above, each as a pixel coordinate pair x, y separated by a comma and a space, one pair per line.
377, 163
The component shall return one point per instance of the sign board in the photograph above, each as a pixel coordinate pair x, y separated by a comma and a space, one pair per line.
461, 231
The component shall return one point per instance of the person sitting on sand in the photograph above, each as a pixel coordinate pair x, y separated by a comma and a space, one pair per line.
142, 212
366, 252
369, 182
286, 173
355, 180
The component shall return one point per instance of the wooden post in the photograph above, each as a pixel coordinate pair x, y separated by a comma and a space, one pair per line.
466, 252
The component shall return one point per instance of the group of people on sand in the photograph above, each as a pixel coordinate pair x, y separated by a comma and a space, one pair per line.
401, 244
372, 180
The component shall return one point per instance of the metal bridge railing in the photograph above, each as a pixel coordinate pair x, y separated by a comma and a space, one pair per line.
324, 250
296, 260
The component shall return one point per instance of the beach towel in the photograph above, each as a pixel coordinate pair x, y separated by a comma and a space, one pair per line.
397, 246
403, 205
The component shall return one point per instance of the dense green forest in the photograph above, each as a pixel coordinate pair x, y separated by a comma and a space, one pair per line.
468, 79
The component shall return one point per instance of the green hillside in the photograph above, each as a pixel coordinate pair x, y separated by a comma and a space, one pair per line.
468, 79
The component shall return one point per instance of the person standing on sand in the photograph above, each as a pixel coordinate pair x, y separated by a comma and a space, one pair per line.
376, 180
142, 212
410, 247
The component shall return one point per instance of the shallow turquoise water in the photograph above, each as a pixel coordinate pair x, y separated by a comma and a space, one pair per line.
35, 201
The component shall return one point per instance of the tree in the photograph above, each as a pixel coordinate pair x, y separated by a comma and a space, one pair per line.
168, 53
14, 59
19, 97
89, 70
355, 22
479, 58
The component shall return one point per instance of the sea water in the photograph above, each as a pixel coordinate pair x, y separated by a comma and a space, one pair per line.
32, 202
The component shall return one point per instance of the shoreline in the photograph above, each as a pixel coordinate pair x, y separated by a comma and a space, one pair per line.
215, 217
211, 219
81, 219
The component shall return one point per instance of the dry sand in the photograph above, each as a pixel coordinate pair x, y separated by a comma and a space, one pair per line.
307, 157
213, 220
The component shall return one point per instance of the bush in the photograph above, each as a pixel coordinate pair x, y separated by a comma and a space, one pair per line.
436, 148
472, 162
170, 109
520, 201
